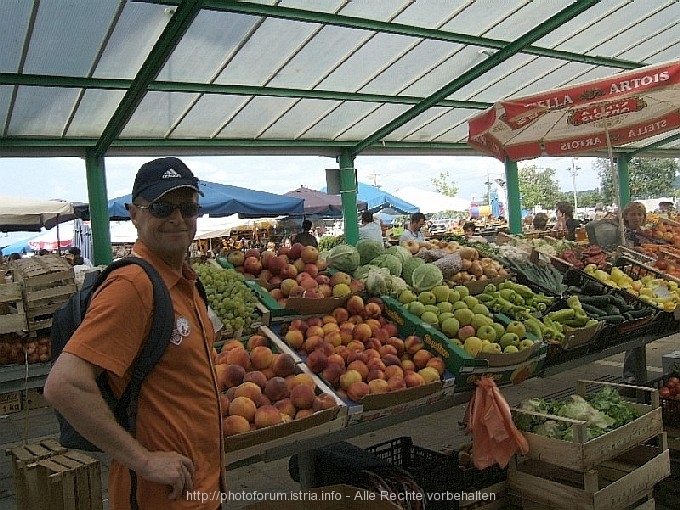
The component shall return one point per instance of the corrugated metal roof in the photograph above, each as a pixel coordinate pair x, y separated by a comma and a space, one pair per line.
122, 77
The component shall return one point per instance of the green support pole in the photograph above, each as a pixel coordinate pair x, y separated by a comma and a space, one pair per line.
99, 212
623, 175
514, 202
348, 195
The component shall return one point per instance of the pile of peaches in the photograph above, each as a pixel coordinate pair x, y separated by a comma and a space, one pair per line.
294, 271
358, 351
260, 388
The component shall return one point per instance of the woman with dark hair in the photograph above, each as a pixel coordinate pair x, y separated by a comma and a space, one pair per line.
305, 238
540, 221
565, 220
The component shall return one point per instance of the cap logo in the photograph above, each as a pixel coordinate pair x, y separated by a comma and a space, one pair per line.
170, 174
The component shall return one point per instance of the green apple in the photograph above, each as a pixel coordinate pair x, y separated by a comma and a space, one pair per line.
470, 301
472, 345
487, 332
508, 339
407, 296
454, 296
416, 308
479, 320
444, 316
526, 344
432, 308
462, 290
510, 349
445, 306
427, 298
457, 342
458, 305
492, 348
517, 328
464, 316
450, 327
480, 308
441, 293
500, 329
430, 318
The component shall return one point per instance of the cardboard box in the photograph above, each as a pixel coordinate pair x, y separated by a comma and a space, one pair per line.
574, 338
10, 402
466, 369
331, 497
322, 306
477, 287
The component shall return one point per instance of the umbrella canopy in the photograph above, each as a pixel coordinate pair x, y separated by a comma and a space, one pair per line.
585, 118
220, 200
431, 201
54, 239
377, 199
320, 203
30, 215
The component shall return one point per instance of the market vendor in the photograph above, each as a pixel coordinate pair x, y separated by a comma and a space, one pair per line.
470, 229
634, 216
412, 232
565, 220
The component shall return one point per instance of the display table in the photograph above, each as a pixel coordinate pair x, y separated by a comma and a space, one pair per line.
20, 377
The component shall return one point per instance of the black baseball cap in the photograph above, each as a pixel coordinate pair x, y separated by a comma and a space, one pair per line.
155, 178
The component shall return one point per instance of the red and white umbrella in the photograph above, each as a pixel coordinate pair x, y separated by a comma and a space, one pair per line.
585, 118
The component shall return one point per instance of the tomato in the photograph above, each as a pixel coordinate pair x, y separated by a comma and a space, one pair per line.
673, 380
664, 392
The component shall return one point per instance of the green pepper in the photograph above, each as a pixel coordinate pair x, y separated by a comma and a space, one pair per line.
562, 315
573, 302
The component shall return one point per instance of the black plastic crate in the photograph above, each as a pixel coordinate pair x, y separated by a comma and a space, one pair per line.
670, 407
434, 472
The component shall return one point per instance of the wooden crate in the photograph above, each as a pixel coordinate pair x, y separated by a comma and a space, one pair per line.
47, 283
581, 455
12, 315
620, 483
50, 477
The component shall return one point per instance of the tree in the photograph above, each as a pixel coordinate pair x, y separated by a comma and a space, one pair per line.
649, 178
443, 185
539, 186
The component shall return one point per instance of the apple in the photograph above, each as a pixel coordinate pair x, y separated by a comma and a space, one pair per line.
487, 332
295, 251
309, 254
466, 332
526, 344
518, 328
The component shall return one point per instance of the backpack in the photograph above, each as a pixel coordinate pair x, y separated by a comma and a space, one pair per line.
67, 319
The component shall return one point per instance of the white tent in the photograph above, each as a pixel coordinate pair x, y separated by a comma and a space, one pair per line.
17, 214
431, 201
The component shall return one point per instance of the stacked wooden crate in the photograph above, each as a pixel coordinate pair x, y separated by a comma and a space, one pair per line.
12, 315
47, 283
615, 471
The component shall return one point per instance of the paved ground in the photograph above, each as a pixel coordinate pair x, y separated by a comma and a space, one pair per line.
433, 431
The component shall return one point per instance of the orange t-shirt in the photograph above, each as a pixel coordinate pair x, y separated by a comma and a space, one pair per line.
178, 407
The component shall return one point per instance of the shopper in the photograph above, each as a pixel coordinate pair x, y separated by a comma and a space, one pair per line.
540, 221
369, 229
178, 445
306, 238
470, 232
78, 259
412, 232
565, 220
634, 216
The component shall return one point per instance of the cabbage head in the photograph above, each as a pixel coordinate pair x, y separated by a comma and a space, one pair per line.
400, 252
377, 281
390, 262
396, 286
425, 277
343, 257
369, 249
408, 267
362, 271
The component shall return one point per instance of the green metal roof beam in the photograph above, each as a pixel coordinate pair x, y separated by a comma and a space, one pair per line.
655, 145
172, 34
496, 59
276, 11
236, 90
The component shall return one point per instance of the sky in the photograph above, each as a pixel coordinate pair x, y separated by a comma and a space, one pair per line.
64, 178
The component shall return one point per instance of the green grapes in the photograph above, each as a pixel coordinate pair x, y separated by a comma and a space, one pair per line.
232, 301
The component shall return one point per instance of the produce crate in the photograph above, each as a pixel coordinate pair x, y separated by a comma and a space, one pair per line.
582, 455
670, 407
436, 473
621, 483
12, 315
47, 283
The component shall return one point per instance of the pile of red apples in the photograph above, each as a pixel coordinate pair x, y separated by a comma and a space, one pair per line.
358, 351
260, 388
294, 271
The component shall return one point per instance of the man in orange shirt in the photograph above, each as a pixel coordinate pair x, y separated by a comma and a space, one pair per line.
177, 451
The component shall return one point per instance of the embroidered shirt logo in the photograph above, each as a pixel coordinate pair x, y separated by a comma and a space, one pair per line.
170, 174
181, 331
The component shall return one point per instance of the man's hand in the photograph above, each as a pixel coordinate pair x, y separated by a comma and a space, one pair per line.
169, 468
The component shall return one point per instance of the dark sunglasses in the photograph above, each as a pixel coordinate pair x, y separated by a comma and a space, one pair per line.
165, 209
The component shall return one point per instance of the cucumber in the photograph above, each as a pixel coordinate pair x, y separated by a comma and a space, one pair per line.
612, 319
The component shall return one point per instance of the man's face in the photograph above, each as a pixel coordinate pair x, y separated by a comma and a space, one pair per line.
171, 236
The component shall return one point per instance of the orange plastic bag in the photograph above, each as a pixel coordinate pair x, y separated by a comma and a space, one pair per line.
495, 439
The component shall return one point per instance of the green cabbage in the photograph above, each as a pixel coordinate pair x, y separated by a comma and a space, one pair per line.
369, 249
377, 281
343, 258
425, 277
390, 262
408, 266
397, 286
400, 252
362, 271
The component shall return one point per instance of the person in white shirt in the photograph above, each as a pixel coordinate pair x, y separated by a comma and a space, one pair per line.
413, 231
369, 228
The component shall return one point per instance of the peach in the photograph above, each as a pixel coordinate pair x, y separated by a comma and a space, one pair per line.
330, 326
370, 354
421, 357
311, 269
362, 331
285, 406
314, 330
284, 365
358, 390
312, 343
388, 349
304, 379
376, 386
375, 374
231, 375
337, 359
261, 357
301, 414
407, 364
372, 310
250, 390
327, 348
413, 344
324, 401
302, 396
360, 367
355, 305
375, 364
429, 374
256, 341
397, 343
412, 379
393, 370
317, 361
334, 338
257, 377
346, 332
234, 424
266, 416
391, 329
276, 388
230, 344
239, 357
298, 324
391, 359
348, 378
396, 383
315, 321
355, 345
231, 393
224, 404
243, 406
295, 338
436, 363
341, 314
332, 373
